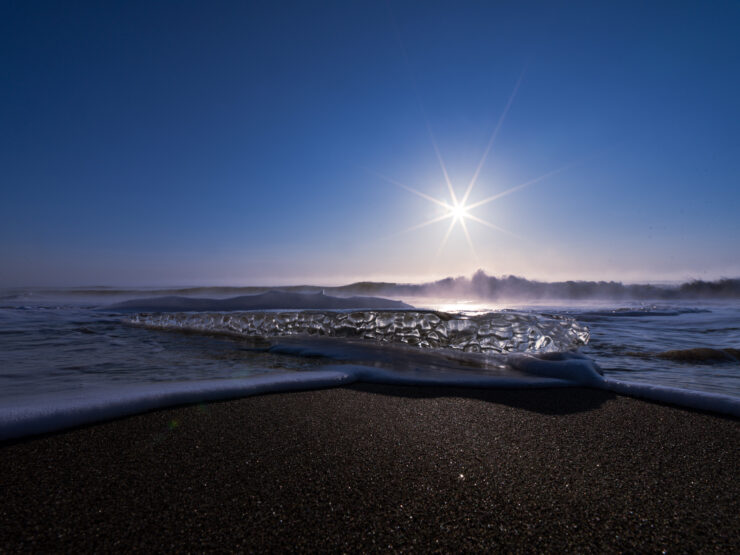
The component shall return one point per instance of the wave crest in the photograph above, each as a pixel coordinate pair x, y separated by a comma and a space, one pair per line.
269, 300
701, 355
493, 332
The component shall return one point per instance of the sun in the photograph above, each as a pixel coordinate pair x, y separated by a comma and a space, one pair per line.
459, 210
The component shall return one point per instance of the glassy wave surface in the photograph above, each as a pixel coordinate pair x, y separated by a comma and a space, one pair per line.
492, 332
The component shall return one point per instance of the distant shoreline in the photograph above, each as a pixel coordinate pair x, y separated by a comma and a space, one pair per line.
479, 286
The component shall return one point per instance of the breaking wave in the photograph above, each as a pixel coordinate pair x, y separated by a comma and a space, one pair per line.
493, 332
269, 300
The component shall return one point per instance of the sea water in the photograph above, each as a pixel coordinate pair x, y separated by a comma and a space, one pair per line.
67, 357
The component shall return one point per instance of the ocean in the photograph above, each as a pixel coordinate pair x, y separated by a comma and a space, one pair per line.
74, 356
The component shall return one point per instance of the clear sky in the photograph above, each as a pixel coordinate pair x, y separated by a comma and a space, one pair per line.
149, 143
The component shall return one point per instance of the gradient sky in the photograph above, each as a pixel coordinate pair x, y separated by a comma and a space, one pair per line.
148, 143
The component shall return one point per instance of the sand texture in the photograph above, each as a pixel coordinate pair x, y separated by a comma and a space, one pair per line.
376, 468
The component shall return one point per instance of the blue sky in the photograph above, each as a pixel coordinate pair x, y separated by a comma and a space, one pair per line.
151, 143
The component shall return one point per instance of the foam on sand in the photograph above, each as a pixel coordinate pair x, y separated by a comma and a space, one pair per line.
60, 412
699, 400
67, 411
64, 411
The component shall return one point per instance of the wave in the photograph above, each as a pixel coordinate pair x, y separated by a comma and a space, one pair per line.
270, 300
642, 312
695, 355
498, 332
701, 355
545, 371
699, 400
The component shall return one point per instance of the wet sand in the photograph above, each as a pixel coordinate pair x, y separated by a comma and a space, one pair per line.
378, 467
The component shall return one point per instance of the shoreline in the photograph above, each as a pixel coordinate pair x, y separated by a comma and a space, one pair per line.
371, 467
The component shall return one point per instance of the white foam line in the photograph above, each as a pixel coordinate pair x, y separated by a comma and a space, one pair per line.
571, 371
712, 402
80, 408
18, 422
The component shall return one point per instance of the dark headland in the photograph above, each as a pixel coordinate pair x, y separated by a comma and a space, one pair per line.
377, 468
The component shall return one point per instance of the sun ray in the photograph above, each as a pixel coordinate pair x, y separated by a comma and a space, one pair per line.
442, 164
467, 235
411, 190
493, 138
447, 236
493, 226
402, 46
458, 209
518, 187
424, 224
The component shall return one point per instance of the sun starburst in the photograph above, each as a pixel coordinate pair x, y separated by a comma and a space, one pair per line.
459, 210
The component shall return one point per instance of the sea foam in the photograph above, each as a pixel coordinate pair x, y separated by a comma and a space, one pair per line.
59, 412
66, 410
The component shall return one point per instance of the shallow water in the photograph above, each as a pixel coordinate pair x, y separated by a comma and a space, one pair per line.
68, 349
632, 343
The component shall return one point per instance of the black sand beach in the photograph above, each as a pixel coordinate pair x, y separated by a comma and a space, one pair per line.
373, 468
